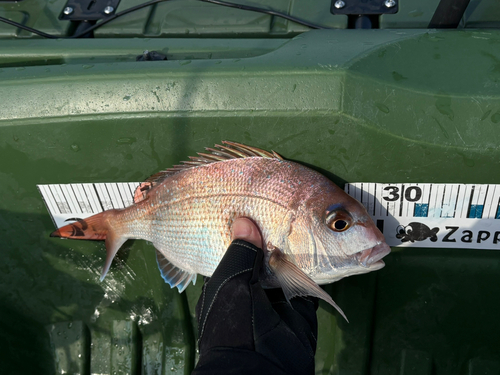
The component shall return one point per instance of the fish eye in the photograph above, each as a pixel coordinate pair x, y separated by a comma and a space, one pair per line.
338, 220
400, 229
409, 229
340, 225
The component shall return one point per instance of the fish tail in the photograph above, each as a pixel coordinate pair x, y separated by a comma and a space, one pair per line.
96, 227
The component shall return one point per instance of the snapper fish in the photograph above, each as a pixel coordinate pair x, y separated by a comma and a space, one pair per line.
313, 232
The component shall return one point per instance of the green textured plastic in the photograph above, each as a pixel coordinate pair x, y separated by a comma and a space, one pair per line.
186, 18
358, 105
192, 18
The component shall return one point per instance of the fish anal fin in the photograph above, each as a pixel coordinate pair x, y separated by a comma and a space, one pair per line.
174, 276
295, 282
113, 243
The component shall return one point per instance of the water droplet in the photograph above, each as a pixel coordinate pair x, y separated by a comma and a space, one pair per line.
185, 62
485, 115
20, 68
495, 118
467, 161
126, 140
15, 138
443, 105
87, 66
415, 13
398, 77
382, 107
75, 147
126, 98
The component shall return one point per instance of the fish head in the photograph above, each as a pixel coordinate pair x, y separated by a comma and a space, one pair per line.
342, 239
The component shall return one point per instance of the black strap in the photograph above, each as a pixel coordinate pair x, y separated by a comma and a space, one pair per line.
448, 14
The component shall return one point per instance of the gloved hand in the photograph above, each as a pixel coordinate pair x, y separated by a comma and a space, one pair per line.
244, 329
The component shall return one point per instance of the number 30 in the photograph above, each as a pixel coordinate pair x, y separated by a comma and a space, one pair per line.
411, 194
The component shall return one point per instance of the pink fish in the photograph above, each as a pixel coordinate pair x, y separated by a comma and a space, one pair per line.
314, 233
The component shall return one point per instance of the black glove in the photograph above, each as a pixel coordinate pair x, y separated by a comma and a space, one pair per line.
246, 330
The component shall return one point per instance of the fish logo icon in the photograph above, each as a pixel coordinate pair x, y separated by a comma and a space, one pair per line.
416, 232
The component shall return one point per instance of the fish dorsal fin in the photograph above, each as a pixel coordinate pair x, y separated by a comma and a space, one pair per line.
294, 281
141, 192
230, 150
174, 276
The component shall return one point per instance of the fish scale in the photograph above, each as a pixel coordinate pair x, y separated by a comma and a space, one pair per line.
215, 207
312, 231
184, 219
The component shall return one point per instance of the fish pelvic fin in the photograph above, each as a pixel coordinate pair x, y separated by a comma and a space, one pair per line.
295, 282
174, 276
94, 228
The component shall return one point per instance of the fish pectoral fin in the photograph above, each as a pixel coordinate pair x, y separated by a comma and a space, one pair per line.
174, 276
295, 282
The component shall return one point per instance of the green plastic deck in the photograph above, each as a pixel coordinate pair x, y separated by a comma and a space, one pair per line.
388, 105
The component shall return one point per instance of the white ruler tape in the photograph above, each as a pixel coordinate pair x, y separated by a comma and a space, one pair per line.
433, 215
68, 201
420, 215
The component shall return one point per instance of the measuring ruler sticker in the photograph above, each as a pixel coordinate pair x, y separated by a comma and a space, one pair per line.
419, 215
433, 215
70, 201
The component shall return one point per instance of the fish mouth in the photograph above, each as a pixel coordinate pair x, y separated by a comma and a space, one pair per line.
370, 258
